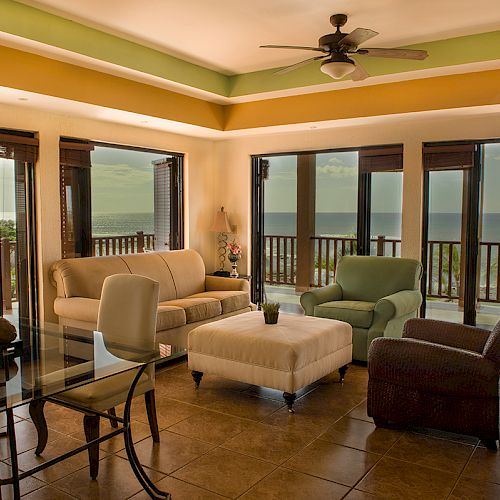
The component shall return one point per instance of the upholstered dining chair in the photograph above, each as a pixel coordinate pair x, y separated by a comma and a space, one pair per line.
440, 375
127, 316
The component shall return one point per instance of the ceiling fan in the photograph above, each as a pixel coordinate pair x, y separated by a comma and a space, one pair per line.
338, 46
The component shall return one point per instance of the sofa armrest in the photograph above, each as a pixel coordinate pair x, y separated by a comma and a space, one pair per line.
447, 334
220, 283
318, 296
433, 368
79, 308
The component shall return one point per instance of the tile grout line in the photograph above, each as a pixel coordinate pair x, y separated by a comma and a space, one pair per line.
462, 471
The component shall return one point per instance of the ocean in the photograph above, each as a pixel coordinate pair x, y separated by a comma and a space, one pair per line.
122, 224
443, 226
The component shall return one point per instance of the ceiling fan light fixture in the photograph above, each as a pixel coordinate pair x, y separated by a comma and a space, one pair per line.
338, 69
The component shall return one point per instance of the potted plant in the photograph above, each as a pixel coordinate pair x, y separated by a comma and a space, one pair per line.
234, 256
271, 312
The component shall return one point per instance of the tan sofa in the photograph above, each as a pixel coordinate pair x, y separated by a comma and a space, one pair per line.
188, 298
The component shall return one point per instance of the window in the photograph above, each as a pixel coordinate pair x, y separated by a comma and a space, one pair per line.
119, 200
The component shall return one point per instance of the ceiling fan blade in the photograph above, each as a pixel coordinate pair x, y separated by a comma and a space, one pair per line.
359, 73
299, 65
395, 53
318, 49
357, 37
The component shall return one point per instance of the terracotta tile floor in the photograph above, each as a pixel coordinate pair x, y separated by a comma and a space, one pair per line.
234, 440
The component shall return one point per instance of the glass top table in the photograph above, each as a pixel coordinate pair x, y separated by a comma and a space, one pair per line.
52, 359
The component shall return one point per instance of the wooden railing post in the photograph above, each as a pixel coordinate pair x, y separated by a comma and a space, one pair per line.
140, 242
380, 246
6, 284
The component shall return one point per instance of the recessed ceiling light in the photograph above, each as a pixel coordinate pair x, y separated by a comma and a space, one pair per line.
22, 98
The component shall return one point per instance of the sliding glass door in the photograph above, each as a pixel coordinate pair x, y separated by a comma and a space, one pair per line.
450, 247
18, 272
488, 303
312, 208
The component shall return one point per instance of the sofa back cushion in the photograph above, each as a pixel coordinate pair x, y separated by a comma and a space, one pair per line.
154, 267
84, 277
188, 271
369, 278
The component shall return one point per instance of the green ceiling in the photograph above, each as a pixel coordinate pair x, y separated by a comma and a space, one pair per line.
37, 25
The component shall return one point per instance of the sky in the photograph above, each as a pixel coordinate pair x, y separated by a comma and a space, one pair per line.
122, 182
336, 185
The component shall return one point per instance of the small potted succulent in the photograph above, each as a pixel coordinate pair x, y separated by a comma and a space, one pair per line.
271, 312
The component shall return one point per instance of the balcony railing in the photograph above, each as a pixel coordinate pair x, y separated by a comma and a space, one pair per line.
9, 272
444, 268
129, 243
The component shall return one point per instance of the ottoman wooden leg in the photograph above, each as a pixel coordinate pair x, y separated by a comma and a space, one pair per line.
342, 371
197, 378
289, 400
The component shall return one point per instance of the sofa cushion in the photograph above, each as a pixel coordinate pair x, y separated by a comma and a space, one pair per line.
230, 300
197, 309
169, 317
188, 271
83, 277
357, 313
154, 267
79, 308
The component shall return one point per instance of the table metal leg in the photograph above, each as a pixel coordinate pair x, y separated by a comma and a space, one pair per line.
150, 488
11, 435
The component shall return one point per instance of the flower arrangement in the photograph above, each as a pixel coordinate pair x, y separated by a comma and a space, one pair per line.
271, 312
234, 251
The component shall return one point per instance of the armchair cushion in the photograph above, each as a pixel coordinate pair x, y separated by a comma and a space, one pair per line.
357, 313
432, 368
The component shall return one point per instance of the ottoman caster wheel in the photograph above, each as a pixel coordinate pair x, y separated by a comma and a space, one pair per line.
289, 400
342, 372
197, 376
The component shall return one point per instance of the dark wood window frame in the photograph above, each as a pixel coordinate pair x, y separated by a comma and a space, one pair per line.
75, 155
371, 159
22, 147
465, 156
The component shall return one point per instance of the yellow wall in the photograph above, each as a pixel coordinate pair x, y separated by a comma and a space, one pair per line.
199, 190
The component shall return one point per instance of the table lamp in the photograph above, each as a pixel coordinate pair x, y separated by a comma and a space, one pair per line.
221, 225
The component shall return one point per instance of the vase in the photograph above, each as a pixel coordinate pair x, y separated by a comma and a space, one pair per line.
234, 265
271, 318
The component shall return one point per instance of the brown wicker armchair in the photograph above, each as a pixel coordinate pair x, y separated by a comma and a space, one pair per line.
439, 375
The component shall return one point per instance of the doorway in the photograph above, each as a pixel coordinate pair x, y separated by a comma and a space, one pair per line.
18, 284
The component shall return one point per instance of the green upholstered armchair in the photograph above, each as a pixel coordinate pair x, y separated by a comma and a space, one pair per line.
375, 295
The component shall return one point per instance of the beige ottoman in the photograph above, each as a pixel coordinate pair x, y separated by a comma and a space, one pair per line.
287, 356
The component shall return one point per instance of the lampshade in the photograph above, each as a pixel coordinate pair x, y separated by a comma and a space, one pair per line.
221, 222
338, 69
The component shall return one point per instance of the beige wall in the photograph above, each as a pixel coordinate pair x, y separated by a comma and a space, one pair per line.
233, 189
199, 179
218, 172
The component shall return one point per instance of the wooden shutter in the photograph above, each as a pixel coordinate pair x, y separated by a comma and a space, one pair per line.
22, 148
76, 225
448, 157
382, 159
